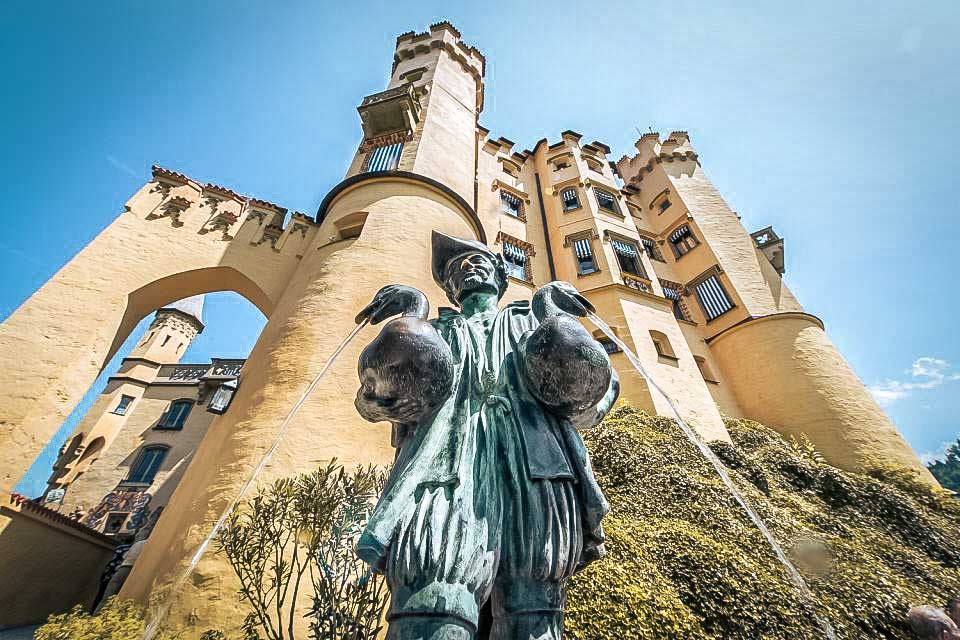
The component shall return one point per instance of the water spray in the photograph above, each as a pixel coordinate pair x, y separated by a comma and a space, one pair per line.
711, 457
154, 625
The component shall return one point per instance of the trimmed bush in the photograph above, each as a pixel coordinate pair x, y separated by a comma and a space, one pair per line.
684, 561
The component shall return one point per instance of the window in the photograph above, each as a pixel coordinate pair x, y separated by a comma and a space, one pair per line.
114, 523
147, 464
673, 296
559, 165
384, 158
607, 201
121, 408
515, 261
584, 254
664, 205
629, 258
593, 164
705, 369
511, 205
682, 241
608, 345
650, 246
662, 344
570, 199
713, 298
176, 415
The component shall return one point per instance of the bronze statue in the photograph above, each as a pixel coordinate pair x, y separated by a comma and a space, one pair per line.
492, 504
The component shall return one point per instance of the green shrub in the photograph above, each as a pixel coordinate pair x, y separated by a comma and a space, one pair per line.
117, 620
685, 562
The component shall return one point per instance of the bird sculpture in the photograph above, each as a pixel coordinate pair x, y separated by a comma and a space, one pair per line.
566, 368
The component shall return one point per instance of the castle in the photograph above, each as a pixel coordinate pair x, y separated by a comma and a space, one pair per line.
647, 238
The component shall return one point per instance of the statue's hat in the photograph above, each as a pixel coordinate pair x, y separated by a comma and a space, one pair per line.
446, 248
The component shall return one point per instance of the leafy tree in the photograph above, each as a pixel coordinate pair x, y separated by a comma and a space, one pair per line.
299, 533
947, 471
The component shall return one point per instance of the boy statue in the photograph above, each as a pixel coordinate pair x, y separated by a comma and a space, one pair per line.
491, 505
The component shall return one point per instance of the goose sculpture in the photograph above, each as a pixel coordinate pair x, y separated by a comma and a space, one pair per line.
567, 370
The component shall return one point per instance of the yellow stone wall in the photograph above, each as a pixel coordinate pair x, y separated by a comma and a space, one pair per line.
47, 565
788, 375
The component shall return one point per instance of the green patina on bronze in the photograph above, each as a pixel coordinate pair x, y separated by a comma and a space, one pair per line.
491, 505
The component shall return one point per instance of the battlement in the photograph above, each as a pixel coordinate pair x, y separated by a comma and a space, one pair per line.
652, 151
225, 211
443, 35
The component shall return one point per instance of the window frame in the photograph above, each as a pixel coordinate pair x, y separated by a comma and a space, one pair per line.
641, 271
387, 157
509, 257
712, 276
147, 469
662, 345
655, 254
588, 240
613, 199
507, 197
122, 407
687, 240
576, 199
167, 423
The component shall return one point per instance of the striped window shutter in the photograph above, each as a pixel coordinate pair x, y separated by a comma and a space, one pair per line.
651, 248
511, 203
514, 253
606, 200
582, 248
680, 233
623, 248
516, 261
385, 158
570, 199
713, 298
671, 294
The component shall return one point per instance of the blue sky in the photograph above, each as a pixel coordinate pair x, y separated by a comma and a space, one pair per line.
834, 122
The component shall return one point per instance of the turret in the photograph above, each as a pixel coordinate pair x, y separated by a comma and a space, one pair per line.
425, 121
173, 329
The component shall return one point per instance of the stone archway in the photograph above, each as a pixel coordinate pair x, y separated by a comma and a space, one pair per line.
175, 239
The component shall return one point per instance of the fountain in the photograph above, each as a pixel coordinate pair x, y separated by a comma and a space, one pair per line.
715, 462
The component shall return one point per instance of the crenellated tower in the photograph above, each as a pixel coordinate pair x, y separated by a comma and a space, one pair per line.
648, 239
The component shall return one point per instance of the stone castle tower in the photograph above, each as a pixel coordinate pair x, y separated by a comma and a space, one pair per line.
648, 239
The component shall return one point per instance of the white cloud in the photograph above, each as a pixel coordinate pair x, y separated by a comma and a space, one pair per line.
924, 373
120, 165
928, 457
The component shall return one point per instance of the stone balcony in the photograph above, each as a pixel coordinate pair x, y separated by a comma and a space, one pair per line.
393, 110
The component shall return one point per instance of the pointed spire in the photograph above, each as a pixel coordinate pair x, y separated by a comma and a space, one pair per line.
192, 306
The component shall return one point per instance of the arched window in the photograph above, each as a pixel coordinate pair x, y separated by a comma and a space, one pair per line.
148, 463
176, 414
662, 344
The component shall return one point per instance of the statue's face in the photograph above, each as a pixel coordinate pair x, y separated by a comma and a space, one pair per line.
471, 273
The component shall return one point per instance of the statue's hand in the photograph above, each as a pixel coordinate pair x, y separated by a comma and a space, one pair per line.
392, 300
559, 297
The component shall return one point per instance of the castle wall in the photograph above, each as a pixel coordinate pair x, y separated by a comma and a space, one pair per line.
55, 562
788, 375
315, 313
170, 243
115, 462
